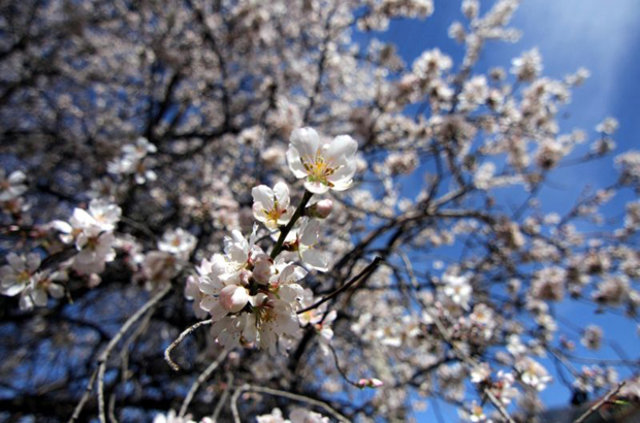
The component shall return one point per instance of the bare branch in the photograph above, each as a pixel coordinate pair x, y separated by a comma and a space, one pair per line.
600, 403
179, 339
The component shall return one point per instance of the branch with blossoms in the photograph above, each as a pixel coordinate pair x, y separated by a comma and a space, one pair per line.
254, 298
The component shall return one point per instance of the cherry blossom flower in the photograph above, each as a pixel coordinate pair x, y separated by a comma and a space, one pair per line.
178, 242
271, 206
457, 289
592, 337
480, 373
42, 283
503, 388
323, 164
21, 276
95, 253
16, 275
132, 161
532, 373
370, 383
102, 216
477, 413
12, 186
284, 282
91, 231
303, 241
528, 66
431, 64
608, 126
272, 322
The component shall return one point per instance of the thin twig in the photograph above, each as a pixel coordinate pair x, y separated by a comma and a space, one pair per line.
124, 352
104, 356
112, 409
278, 393
223, 397
470, 362
342, 372
200, 380
179, 339
600, 403
357, 278
84, 398
460, 353
234, 404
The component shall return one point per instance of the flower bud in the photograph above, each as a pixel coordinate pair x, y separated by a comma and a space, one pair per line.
369, 383
321, 209
234, 297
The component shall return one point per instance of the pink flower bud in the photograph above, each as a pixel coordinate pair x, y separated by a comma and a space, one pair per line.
369, 383
321, 209
234, 297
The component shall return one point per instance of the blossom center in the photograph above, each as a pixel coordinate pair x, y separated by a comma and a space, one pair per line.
319, 171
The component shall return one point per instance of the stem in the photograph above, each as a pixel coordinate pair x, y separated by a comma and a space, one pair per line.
600, 403
179, 339
357, 278
284, 394
200, 380
104, 356
284, 232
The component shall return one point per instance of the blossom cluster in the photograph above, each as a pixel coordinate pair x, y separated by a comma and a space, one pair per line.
253, 297
91, 233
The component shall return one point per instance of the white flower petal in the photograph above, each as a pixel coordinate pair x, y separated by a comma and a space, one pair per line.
263, 195
316, 187
306, 141
295, 163
341, 150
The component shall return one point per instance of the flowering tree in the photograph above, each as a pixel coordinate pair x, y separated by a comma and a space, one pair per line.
230, 211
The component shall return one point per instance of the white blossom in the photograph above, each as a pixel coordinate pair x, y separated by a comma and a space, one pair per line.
323, 164
12, 186
271, 206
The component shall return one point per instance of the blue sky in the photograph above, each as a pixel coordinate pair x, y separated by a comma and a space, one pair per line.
602, 36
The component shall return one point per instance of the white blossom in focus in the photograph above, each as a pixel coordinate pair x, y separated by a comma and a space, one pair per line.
323, 164
271, 206
304, 239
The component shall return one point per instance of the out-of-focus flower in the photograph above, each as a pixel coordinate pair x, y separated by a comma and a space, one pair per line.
12, 186
592, 337
178, 242
528, 66
533, 373
457, 289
